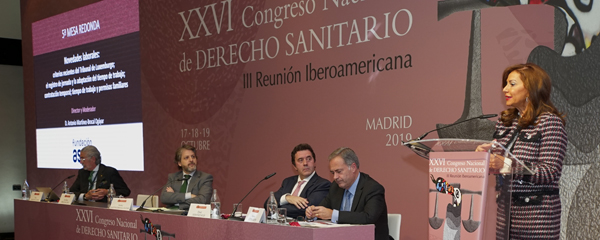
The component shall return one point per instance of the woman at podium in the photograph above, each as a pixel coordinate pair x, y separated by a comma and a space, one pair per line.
533, 130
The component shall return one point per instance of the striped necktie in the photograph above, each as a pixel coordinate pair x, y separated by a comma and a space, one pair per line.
297, 190
347, 201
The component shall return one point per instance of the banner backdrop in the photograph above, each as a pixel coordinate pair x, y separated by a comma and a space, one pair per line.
246, 81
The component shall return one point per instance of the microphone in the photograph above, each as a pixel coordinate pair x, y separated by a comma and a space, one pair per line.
485, 116
52, 190
233, 217
269, 176
422, 150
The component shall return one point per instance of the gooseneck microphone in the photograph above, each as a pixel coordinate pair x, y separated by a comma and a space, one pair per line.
52, 190
485, 116
233, 217
269, 176
422, 150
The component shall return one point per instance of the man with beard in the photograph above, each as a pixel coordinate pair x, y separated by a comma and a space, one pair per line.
307, 188
188, 185
354, 197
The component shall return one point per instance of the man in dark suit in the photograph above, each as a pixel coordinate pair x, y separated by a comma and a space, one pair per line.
93, 181
354, 197
188, 185
299, 191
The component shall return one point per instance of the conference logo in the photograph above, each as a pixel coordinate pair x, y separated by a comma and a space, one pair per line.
78, 144
154, 230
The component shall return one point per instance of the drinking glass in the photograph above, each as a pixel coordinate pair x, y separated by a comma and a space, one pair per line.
281, 215
239, 209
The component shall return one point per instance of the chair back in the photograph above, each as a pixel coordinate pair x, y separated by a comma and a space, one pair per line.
152, 202
394, 220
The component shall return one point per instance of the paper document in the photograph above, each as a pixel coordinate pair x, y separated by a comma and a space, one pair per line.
322, 224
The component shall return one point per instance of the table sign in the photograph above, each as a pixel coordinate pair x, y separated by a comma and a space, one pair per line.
256, 215
122, 204
36, 196
66, 198
199, 210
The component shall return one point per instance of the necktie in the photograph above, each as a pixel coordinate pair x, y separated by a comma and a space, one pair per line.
297, 190
183, 188
91, 180
348, 201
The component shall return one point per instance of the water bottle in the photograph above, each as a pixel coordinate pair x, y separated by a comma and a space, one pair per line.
25, 190
111, 194
215, 205
65, 188
272, 208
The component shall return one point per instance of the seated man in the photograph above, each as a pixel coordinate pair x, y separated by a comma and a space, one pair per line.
354, 197
93, 181
188, 185
299, 191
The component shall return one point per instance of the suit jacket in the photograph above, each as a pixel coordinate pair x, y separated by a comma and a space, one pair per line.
368, 205
200, 185
104, 177
315, 191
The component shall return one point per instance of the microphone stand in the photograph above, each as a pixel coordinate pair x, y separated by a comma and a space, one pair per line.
233, 217
456, 123
422, 150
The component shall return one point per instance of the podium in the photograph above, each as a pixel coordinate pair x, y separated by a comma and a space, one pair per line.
477, 202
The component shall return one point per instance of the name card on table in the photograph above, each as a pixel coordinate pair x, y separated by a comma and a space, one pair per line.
122, 204
256, 215
199, 210
66, 198
36, 196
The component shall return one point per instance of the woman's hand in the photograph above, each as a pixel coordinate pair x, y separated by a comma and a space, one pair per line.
496, 161
483, 147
